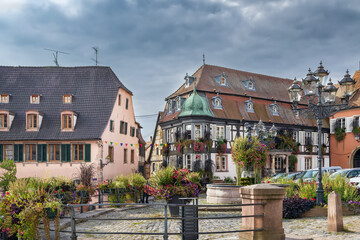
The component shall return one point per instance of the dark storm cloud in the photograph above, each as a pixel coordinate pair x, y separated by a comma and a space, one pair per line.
151, 45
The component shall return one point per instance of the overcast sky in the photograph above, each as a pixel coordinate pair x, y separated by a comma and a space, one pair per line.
152, 44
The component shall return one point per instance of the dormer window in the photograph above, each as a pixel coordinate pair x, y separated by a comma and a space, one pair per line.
297, 114
3, 121
179, 103
67, 99
171, 106
216, 101
4, 98
35, 99
222, 80
6, 119
249, 105
188, 80
274, 109
33, 120
249, 84
68, 120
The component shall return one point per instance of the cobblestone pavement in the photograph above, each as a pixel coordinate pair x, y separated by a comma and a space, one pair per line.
156, 226
306, 228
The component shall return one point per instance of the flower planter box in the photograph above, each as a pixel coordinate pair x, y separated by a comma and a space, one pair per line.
322, 212
223, 193
218, 181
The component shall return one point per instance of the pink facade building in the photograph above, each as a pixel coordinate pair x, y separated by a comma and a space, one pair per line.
52, 119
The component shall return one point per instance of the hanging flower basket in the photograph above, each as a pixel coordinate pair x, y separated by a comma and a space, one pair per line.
198, 146
339, 134
180, 147
221, 146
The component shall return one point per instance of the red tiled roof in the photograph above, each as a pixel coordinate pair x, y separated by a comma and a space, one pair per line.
268, 90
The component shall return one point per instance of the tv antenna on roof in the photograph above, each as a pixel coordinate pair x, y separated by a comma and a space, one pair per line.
55, 54
96, 49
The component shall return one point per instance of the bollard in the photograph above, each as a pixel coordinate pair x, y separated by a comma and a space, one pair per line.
272, 197
335, 217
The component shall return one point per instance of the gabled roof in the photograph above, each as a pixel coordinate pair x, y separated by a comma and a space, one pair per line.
94, 91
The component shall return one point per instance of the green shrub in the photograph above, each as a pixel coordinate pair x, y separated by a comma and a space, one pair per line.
307, 190
341, 185
9, 175
120, 181
228, 180
162, 177
137, 180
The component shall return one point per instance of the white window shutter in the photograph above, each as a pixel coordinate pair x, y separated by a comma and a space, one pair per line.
348, 124
212, 131
332, 126
228, 133
315, 138
302, 137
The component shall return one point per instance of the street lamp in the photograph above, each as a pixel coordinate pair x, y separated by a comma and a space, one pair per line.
261, 131
320, 105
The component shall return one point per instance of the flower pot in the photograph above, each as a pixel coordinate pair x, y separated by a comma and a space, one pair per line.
51, 213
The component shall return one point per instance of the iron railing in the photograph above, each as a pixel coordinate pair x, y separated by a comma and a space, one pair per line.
166, 218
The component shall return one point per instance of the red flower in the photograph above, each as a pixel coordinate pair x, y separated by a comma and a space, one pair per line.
7, 193
313, 199
55, 191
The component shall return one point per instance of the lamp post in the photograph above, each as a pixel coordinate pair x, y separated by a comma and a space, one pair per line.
320, 105
102, 165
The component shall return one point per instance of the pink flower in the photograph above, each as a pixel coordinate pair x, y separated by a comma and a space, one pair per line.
55, 191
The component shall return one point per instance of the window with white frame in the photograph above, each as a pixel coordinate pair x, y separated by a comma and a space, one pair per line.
340, 123
278, 163
249, 105
188, 163
221, 163
35, 99
296, 136
275, 109
197, 128
219, 132
9, 152
308, 164
178, 103
356, 122
188, 132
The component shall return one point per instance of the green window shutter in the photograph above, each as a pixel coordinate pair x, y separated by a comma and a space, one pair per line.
65, 153
121, 126
87, 153
39, 153
68, 155
127, 103
16, 152
126, 124
111, 125
21, 152
1, 152
44, 153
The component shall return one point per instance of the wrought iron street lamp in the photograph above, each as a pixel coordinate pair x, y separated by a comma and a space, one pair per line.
320, 105
260, 130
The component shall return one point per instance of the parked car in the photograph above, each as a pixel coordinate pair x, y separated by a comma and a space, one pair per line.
355, 181
277, 176
348, 173
294, 175
311, 175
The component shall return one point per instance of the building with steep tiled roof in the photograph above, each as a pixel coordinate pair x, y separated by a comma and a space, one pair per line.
52, 119
345, 150
216, 102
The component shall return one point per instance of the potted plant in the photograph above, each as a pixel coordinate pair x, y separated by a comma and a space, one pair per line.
171, 184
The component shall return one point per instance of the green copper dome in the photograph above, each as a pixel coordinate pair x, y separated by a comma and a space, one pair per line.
196, 105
